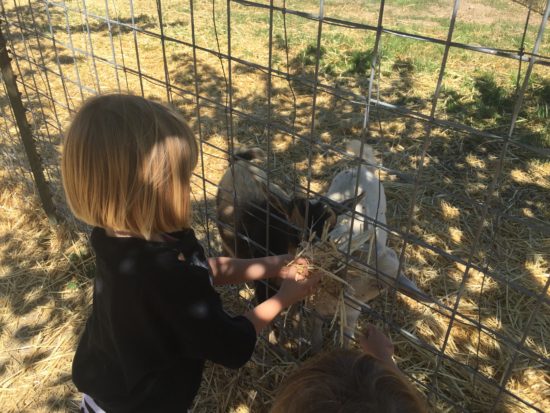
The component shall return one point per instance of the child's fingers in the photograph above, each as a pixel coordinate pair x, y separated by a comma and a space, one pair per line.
286, 272
301, 270
303, 261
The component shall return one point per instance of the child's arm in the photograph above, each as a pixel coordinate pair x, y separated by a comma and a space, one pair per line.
234, 270
194, 310
291, 291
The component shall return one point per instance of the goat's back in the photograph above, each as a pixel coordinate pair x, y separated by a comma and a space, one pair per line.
373, 203
242, 209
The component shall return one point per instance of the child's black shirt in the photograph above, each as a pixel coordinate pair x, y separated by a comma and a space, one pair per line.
155, 320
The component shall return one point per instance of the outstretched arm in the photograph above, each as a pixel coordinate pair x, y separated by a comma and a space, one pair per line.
235, 270
291, 291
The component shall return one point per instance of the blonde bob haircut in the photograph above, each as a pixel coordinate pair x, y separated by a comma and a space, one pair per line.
127, 164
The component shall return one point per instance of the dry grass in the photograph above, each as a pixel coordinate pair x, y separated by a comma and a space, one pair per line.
44, 299
44, 273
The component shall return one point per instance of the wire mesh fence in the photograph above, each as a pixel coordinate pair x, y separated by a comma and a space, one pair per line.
13, 159
536, 5
454, 96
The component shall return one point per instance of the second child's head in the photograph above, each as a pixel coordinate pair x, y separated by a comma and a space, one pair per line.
127, 164
350, 381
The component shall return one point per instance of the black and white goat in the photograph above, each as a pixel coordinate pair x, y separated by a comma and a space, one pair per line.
370, 210
242, 204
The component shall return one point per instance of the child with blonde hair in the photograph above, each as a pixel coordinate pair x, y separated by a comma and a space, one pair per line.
350, 381
127, 164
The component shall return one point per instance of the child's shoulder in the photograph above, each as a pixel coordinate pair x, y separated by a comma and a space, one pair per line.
181, 254
104, 243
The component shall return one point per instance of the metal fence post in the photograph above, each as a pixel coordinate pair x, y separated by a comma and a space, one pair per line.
25, 132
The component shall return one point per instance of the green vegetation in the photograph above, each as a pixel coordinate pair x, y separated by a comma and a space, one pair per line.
478, 89
491, 105
334, 63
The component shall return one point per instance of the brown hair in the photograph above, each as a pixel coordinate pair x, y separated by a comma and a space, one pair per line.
127, 164
347, 381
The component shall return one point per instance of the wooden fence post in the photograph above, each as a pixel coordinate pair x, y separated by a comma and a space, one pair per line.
25, 132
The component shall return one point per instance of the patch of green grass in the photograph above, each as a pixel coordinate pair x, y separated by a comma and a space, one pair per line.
490, 101
335, 62
276, 60
338, 59
493, 100
422, 64
360, 62
480, 88
541, 89
491, 105
335, 39
536, 107
451, 100
72, 285
411, 3
279, 42
308, 56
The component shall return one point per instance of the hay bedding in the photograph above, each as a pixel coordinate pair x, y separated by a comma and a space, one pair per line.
326, 256
448, 224
46, 291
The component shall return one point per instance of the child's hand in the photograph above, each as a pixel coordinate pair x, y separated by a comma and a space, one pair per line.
298, 270
376, 344
293, 290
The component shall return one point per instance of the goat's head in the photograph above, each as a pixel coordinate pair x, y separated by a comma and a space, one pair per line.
310, 215
320, 213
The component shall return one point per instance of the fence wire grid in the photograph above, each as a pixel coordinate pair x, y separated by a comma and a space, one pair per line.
458, 116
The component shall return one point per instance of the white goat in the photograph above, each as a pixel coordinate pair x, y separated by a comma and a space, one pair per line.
383, 258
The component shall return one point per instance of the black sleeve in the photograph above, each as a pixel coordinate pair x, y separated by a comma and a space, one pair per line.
194, 311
